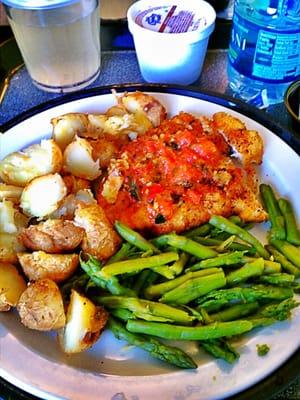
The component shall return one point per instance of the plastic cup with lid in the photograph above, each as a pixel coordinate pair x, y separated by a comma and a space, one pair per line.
171, 38
59, 41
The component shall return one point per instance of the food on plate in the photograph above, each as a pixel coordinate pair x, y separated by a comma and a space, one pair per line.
100, 240
78, 160
246, 144
20, 167
84, 324
43, 195
177, 175
40, 265
41, 306
12, 285
141, 222
10, 192
52, 236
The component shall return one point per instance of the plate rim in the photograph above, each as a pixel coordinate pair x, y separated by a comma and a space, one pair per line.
293, 363
221, 99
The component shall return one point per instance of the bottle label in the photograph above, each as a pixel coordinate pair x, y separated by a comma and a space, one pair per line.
264, 54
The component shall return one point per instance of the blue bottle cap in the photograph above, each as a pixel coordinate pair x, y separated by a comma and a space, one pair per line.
38, 4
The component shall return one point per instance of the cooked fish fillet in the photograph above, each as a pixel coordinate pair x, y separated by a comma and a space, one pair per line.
176, 176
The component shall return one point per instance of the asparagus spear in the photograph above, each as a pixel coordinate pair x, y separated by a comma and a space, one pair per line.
222, 297
202, 230
169, 354
285, 263
292, 231
194, 288
123, 253
188, 245
227, 226
135, 238
236, 311
140, 306
161, 288
219, 348
277, 230
222, 259
92, 267
235, 246
291, 252
280, 311
134, 266
282, 279
249, 270
177, 332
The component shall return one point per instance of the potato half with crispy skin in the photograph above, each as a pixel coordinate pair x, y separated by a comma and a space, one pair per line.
41, 306
85, 322
52, 236
10, 192
40, 265
9, 247
12, 285
101, 240
20, 167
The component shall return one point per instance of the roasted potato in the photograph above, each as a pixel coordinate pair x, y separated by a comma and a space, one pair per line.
40, 265
70, 203
144, 107
78, 160
84, 324
41, 306
9, 247
12, 285
52, 236
74, 184
10, 192
100, 240
67, 126
20, 167
43, 195
7, 217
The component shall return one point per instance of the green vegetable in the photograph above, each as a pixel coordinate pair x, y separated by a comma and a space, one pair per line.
291, 252
194, 288
176, 332
221, 259
286, 264
169, 354
137, 265
228, 226
144, 307
292, 231
262, 349
219, 348
249, 270
185, 244
135, 238
92, 267
277, 230
236, 311
161, 288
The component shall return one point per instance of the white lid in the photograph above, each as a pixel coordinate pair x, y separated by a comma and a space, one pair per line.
38, 4
188, 19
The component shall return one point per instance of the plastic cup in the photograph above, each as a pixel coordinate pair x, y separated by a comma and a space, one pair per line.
171, 38
59, 41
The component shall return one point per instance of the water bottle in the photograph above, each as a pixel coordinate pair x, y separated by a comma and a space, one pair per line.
264, 50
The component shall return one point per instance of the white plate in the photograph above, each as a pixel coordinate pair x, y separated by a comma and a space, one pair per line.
111, 370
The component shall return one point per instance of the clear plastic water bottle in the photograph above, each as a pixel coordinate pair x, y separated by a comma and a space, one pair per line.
264, 50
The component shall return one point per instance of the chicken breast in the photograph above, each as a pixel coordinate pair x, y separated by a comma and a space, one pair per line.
175, 177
